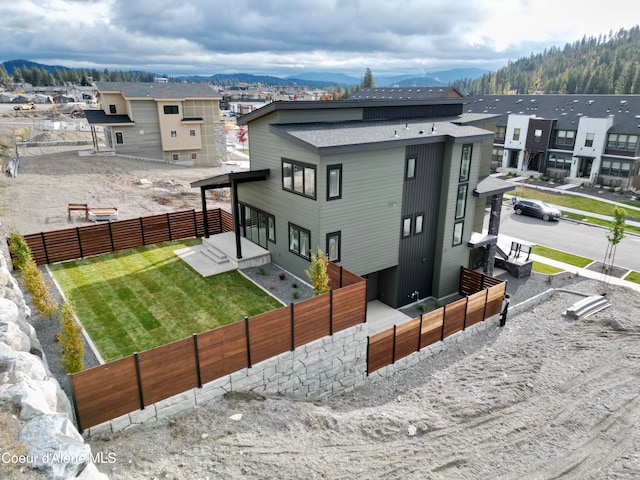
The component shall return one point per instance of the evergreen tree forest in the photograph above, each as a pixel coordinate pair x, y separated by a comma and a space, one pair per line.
608, 64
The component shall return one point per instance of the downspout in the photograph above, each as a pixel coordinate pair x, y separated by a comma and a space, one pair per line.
235, 210
205, 219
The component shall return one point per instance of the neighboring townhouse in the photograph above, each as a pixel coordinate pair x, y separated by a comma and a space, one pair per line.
387, 188
172, 122
579, 138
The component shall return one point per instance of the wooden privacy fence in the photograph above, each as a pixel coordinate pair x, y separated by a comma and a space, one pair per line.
108, 391
90, 240
397, 342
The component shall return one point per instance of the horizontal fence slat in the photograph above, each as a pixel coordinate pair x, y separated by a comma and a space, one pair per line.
270, 334
454, 317
105, 392
407, 336
380, 350
349, 306
431, 327
222, 351
475, 307
312, 319
168, 370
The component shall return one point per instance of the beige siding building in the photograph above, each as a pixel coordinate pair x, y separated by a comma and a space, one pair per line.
171, 122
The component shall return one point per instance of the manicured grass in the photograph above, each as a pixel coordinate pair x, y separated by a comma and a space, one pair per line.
572, 201
538, 267
561, 256
633, 277
137, 299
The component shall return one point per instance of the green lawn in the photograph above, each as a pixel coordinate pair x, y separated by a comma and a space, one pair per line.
545, 269
633, 277
597, 221
137, 299
561, 256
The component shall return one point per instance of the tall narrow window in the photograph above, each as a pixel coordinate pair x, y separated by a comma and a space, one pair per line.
406, 227
119, 138
333, 246
112, 109
271, 228
410, 168
419, 224
192, 133
465, 162
461, 202
334, 182
457, 233
174, 134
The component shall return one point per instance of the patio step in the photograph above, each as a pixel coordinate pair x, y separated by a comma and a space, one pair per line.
215, 254
587, 306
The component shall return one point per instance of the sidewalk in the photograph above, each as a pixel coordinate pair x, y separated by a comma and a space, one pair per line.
504, 242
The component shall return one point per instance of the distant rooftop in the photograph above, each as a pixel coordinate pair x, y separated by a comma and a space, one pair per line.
406, 93
159, 90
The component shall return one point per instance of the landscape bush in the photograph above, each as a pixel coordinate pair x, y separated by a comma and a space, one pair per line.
71, 342
41, 297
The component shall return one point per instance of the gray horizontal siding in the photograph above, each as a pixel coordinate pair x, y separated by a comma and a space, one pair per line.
146, 144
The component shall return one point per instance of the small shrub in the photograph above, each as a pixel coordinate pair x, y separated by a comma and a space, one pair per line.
70, 338
317, 273
422, 307
261, 271
295, 294
19, 250
44, 302
549, 278
294, 285
282, 276
438, 304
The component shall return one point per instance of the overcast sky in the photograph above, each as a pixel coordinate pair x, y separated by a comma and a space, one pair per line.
280, 37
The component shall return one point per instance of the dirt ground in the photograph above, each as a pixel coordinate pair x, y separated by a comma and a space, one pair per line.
541, 398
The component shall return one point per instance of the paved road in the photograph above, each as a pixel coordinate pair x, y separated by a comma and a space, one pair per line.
584, 240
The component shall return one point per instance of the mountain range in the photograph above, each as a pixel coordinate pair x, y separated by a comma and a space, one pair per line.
309, 79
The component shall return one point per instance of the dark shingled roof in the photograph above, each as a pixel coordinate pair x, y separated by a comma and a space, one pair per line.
405, 93
566, 109
159, 90
98, 117
337, 137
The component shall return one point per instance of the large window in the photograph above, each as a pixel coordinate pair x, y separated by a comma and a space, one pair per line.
465, 163
622, 142
333, 246
588, 142
299, 241
559, 161
334, 182
258, 225
615, 168
565, 137
171, 110
299, 178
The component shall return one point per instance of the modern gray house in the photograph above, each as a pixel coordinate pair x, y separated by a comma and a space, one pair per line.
388, 188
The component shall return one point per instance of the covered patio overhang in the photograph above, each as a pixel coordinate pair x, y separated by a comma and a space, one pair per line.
493, 188
231, 181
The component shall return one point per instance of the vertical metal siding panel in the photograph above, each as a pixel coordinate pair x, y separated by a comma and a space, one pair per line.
421, 195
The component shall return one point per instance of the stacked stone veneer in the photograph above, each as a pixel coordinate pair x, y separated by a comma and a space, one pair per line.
54, 445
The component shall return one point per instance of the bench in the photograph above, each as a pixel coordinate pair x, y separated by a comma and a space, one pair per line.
80, 207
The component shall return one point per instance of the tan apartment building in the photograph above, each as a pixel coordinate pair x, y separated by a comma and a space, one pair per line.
173, 122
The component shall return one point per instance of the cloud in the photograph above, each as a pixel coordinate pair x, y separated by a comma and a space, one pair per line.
281, 36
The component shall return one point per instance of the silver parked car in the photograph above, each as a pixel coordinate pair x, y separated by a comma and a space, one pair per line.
536, 208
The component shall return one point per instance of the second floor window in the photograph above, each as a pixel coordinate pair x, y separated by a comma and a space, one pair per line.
516, 134
565, 137
171, 110
465, 162
588, 142
537, 135
500, 133
334, 182
622, 142
112, 109
299, 178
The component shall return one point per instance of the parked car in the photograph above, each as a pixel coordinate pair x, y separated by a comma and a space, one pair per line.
536, 208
